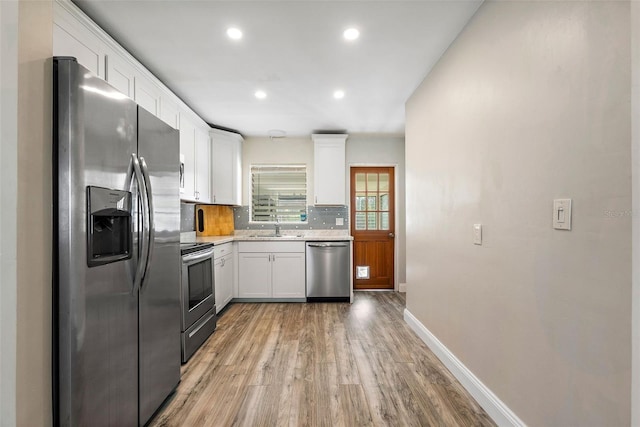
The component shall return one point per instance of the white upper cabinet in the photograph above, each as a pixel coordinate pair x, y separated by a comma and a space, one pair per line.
76, 35
120, 74
203, 156
194, 159
226, 161
169, 112
329, 169
147, 95
187, 159
72, 38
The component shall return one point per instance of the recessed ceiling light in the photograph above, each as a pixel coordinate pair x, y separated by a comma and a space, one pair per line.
339, 94
234, 33
351, 34
260, 94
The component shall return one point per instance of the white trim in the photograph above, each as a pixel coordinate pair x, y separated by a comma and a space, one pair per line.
635, 203
496, 408
402, 287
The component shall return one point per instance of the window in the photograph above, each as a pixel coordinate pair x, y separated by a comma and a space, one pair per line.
372, 201
279, 193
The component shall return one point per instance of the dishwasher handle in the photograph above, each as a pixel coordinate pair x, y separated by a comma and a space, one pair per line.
327, 245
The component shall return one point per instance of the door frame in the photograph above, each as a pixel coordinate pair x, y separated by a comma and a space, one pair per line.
395, 211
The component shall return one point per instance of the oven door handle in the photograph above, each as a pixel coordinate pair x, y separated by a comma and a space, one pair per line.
198, 256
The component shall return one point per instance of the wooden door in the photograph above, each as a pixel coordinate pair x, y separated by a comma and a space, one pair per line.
373, 226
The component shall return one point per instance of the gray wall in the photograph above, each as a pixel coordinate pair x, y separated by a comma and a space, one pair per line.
31, 191
387, 150
256, 150
530, 103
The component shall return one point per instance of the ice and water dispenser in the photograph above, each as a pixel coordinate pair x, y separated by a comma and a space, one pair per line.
109, 236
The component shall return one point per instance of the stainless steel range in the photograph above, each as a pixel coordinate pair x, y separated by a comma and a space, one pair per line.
198, 299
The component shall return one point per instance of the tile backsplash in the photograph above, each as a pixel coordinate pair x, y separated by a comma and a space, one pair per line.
187, 217
318, 218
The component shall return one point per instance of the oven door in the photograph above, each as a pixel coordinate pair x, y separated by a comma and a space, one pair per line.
197, 286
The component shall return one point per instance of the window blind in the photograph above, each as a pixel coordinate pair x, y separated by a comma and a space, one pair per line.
279, 193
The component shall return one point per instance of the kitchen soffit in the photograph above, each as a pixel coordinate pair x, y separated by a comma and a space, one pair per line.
294, 51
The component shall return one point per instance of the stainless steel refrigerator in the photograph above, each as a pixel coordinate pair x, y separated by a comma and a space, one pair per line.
116, 254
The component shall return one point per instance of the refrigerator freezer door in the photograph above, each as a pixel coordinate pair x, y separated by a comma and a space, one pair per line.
158, 145
96, 337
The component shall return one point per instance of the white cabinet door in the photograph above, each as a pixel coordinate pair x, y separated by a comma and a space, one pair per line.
218, 286
227, 280
288, 275
82, 45
187, 159
120, 74
227, 168
254, 275
203, 157
329, 169
147, 95
223, 171
223, 270
169, 111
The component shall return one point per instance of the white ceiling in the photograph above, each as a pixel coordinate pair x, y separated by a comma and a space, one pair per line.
294, 51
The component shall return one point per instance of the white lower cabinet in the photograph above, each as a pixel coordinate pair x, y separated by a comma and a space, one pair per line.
288, 275
254, 275
271, 270
223, 275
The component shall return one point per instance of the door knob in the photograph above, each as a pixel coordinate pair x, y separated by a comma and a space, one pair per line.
392, 235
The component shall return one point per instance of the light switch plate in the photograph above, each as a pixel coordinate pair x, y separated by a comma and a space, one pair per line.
339, 221
477, 234
562, 214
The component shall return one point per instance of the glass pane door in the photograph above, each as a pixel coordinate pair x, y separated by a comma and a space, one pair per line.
372, 201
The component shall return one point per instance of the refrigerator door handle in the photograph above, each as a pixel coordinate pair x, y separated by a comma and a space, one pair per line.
151, 229
144, 255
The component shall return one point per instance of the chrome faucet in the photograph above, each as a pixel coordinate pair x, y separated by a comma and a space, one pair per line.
277, 228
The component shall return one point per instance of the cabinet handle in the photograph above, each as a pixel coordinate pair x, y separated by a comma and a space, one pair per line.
274, 257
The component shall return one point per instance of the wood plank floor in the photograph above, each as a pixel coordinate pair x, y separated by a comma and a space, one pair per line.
324, 364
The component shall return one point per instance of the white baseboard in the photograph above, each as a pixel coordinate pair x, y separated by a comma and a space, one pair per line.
402, 287
497, 410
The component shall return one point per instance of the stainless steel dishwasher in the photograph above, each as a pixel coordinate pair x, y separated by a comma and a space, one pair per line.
328, 275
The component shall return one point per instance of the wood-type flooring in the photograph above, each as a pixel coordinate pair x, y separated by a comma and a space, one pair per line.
319, 364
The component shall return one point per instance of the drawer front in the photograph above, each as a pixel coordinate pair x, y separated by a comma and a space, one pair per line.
271, 247
222, 250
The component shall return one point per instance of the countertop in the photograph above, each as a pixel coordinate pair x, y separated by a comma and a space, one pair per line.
287, 236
